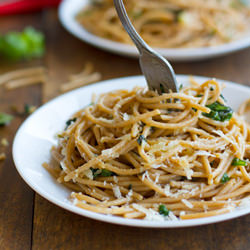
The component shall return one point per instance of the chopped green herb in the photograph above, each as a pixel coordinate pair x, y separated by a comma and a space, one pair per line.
5, 119
225, 178
194, 109
106, 173
239, 162
29, 109
95, 171
130, 186
101, 172
163, 210
162, 89
219, 112
181, 87
69, 122
199, 95
211, 89
22, 45
140, 139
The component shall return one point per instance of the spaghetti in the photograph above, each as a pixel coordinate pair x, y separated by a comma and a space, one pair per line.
137, 154
171, 23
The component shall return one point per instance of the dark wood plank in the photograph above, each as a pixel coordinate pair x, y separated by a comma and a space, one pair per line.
16, 198
64, 230
55, 228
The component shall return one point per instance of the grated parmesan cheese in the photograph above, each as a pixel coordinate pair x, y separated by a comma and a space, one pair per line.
126, 117
187, 203
157, 176
205, 153
144, 175
189, 172
117, 192
110, 152
221, 134
63, 165
129, 194
182, 213
89, 174
245, 203
115, 179
151, 214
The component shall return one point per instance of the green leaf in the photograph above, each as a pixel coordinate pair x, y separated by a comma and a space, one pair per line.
239, 162
140, 139
225, 178
101, 172
163, 210
5, 119
29, 109
219, 112
69, 122
22, 45
106, 173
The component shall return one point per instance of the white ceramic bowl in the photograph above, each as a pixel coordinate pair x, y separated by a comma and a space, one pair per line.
69, 8
36, 135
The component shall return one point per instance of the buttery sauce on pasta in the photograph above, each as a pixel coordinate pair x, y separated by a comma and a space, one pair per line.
171, 23
137, 154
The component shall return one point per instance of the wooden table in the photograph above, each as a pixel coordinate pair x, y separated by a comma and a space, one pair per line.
27, 221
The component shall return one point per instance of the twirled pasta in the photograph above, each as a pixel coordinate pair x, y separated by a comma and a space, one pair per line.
171, 23
137, 154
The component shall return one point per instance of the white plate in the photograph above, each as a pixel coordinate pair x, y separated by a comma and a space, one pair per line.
69, 8
36, 135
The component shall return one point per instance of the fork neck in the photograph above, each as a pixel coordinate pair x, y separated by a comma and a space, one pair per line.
138, 41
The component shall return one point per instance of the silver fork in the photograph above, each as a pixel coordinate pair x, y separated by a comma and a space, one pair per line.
157, 70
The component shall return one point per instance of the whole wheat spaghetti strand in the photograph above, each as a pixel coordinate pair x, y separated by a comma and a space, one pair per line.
21, 73
81, 81
31, 80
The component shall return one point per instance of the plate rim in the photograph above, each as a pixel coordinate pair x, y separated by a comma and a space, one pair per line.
175, 54
113, 219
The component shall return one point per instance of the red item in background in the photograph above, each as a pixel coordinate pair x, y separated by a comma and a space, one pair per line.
24, 6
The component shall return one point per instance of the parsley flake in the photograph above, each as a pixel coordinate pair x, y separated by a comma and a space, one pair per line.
225, 178
239, 162
140, 139
219, 112
5, 119
163, 210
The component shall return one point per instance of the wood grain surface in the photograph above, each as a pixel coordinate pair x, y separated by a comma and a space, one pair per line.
27, 221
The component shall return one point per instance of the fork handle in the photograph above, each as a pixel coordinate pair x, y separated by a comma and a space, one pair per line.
140, 44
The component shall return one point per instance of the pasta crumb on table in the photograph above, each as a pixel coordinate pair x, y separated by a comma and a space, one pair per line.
140, 155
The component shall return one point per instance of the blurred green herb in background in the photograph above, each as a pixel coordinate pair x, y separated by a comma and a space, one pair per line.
5, 119
22, 45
